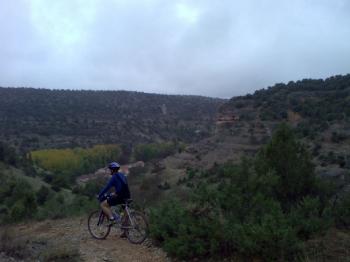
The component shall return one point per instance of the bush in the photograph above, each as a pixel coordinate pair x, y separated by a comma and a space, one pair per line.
42, 195
291, 162
147, 152
342, 211
271, 239
55, 207
18, 197
308, 217
8, 154
263, 208
164, 186
17, 211
92, 187
176, 228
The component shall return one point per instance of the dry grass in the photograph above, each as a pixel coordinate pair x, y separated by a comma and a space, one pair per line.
12, 245
34, 249
334, 246
61, 253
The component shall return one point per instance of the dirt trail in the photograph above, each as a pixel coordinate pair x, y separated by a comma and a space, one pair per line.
75, 233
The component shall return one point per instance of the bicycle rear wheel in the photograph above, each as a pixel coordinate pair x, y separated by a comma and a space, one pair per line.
98, 225
137, 228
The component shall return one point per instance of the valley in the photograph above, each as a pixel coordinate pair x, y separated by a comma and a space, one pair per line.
192, 148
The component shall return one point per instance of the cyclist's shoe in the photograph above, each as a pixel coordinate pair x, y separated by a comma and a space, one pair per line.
123, 235
112, 222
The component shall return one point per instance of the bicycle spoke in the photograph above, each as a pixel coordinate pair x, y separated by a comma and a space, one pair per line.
97, 225
137, 232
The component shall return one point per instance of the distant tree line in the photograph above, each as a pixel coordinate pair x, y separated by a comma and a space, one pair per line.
151, 151
40, 118
318, 101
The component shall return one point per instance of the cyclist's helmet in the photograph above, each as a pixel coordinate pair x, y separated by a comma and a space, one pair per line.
114, 166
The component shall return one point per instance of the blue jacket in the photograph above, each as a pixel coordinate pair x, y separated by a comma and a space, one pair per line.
115, 181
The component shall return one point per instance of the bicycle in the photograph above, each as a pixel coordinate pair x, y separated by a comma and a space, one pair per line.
132, 222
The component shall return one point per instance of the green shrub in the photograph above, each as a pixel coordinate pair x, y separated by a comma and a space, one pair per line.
176, 228
291, 162
309, 218
17, 212
19, 198
270, 239
263, 208
54, 208
147, 152
8, 154
92, 187
42, 195
342, 211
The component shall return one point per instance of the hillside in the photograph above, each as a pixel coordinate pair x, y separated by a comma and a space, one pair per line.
40, 118
318, 110
210, 181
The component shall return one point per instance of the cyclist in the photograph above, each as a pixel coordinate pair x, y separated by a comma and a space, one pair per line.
122, 192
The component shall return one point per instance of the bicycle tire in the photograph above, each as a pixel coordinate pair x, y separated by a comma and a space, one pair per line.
98, 231
140, 228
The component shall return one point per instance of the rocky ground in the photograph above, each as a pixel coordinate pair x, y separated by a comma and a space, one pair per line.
69, 240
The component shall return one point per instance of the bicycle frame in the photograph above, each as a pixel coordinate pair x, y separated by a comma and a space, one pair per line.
133, 223
128, 213
101, 218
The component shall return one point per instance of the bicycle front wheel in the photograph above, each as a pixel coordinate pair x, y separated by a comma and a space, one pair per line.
98, 225
137, 228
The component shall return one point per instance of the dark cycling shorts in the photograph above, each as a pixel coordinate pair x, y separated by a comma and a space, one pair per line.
115, 200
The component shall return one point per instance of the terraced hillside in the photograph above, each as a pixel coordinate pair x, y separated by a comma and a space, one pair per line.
40, 118
318, 110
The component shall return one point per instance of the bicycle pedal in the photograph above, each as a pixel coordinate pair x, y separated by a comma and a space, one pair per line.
111, 223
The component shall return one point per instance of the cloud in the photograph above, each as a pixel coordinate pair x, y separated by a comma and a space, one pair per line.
224, 49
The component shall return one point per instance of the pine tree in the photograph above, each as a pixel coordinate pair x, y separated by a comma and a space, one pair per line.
290, 161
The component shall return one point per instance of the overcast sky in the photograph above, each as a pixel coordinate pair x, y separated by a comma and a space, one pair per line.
219, 48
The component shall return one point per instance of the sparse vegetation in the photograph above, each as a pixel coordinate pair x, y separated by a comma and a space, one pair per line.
42, 119
147, 152
12, 246
21, 248
266, 207
61, 253
271, 207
